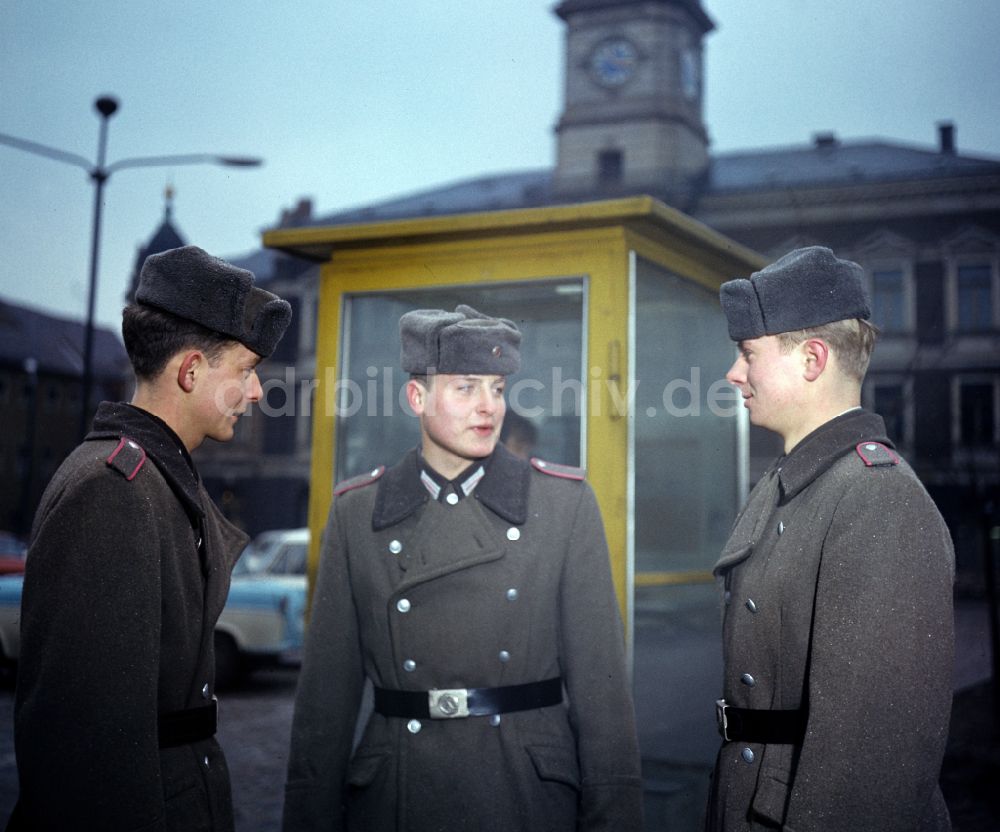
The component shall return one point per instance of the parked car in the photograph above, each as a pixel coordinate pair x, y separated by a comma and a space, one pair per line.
262, 622
10, 621
12, 553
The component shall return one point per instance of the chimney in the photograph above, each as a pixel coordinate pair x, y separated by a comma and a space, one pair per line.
825, 141
946, 138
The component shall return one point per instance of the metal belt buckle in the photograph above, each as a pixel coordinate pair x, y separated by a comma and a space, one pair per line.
448, 704
720, 718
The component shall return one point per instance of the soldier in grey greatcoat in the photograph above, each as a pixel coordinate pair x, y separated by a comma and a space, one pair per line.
128, 570
838, 632
473, 588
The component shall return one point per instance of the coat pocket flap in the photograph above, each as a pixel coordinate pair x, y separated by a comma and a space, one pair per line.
553, 762
365, 767
770, 801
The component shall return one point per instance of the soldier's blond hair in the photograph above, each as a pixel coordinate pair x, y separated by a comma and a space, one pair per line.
851, 340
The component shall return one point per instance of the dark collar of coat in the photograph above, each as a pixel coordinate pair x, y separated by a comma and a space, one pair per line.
114, 420
503, 490
825, 445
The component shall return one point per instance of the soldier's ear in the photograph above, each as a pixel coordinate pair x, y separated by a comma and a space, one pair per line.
816, 354
187, 371
416, 396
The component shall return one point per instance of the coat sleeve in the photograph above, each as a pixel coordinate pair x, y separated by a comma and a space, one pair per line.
328, 696
879, 684
593, 664
86, 706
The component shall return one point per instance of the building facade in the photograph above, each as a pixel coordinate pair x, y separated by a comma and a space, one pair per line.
41, 365
924, 222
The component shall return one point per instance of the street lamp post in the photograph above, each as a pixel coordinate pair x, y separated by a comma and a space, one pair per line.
99, 174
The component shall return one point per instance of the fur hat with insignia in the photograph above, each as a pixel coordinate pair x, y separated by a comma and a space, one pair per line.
805, 288
192, 284
461, 342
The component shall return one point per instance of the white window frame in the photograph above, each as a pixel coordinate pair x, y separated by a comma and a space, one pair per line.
992, 259
905, 267
903, 380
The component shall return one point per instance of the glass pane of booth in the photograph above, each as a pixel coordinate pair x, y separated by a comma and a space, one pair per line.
686, 487
544, 400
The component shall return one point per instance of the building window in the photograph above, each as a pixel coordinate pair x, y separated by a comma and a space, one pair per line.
610, 167
888, 300
977, 413
888, 401
374, 423
890, 396
974, 290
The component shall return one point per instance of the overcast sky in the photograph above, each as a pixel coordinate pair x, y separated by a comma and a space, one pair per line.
353, 101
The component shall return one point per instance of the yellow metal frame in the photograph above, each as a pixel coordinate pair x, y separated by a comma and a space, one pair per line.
588, 239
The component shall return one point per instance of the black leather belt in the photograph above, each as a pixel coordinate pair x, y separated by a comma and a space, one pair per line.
187, 726
764, 726
456, 703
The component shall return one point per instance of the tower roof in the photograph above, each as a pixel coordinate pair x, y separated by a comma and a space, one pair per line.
164, 238
569, 7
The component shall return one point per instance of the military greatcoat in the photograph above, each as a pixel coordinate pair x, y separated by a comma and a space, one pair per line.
838, 601
127, 573
508, 585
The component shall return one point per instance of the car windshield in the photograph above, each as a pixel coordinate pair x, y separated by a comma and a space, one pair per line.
276, 553
252, 560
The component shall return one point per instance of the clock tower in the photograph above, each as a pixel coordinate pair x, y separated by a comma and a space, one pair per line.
632, 116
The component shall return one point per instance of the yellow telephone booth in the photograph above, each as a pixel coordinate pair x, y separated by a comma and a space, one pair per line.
623, 357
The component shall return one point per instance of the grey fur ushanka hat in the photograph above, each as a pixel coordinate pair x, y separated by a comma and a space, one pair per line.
807, 287
192, 284
461, 342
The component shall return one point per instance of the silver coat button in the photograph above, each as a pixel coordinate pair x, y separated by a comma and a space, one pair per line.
751, 605
747, 755
781, 527
748, 680
204, 691
206, 761
409, 665
414, 726
495, 720
513, 533
395, 547
504, 656
451, 499
403, 605
512, 594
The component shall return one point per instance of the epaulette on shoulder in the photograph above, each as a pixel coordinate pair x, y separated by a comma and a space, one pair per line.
128, 458
554, 469
358, 481
875, 454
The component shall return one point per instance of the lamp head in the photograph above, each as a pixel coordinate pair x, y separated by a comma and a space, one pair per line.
106, 105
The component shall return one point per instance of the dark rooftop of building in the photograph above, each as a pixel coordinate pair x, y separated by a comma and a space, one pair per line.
56, 343
827, 161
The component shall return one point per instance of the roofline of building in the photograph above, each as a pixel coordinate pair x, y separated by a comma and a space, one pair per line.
640, 213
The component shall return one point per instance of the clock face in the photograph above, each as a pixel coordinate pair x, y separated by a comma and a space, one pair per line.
613, 62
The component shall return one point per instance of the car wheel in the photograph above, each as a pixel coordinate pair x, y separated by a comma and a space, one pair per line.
228, 662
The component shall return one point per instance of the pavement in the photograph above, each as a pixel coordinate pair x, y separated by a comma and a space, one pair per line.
256, 721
